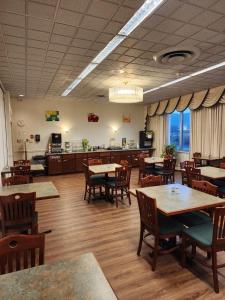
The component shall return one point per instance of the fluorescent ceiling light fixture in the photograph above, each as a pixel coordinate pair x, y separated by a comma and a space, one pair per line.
87, 71
141, 14
222, 64
148, 7
108, 49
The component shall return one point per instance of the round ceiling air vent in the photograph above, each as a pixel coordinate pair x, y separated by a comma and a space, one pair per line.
176, 56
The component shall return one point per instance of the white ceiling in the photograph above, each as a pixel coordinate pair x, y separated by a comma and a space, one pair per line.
45, 44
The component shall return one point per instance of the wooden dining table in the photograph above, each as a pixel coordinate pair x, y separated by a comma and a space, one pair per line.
174, 199
154, 160
44, 190
210, 161
104, 168
212, 173
74, 279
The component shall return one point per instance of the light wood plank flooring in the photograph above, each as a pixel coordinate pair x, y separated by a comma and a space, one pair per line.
112, 235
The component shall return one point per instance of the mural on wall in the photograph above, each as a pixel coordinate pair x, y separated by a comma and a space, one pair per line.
126, 118
52, 115
93, 117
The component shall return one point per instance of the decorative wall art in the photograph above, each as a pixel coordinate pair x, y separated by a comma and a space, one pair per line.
93, 117
52, 115
126, 118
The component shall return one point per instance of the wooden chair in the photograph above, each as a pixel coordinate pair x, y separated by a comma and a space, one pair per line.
161, 227
223, 159
92, 182
192, 174
151, 180
197, 160
15, 180
18, 213
18, 252
222, 165
21, 170
205, 186
21, 162
121, 183
144, 169
210, 238
124, 163
94, 162
168, 171
183, 166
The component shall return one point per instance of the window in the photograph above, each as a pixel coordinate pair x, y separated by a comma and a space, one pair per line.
179, 129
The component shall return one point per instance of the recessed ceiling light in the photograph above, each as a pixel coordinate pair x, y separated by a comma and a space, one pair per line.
222, 64
21, 95
147, 8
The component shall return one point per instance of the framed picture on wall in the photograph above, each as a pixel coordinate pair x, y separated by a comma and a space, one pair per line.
126, 118
52, 115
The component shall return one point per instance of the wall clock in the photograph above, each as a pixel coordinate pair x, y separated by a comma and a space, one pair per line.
20, 123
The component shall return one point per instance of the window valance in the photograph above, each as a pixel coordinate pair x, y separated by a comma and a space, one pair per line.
206, 98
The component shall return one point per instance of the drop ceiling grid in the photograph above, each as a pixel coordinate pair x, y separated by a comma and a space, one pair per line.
133, 55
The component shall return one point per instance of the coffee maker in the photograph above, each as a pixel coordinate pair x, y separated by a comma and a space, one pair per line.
56, 143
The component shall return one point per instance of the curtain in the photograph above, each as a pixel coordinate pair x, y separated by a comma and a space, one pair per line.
208, 131
159, 127
3, 147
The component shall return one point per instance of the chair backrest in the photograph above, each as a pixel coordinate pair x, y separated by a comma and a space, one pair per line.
197, 154
222, 165
17, 209
18, 252
94, 162
21, 170
21, 162
218, 239
87, 173
151, 180
144, 155
205, 186
148, 212
223, 159
169, 164
187, 163
122, 176
124, 163
192, 174
14, 180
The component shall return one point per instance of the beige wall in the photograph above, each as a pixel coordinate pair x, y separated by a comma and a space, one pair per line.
73, 116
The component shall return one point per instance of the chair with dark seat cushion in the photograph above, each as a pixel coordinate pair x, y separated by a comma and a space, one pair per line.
168, 171
15, 180
96, 162
119, 185
18, 213
197, 160
183, 166
199, 217
92, 183
18, 252
209, 238
21, 162
192, 174
22, 170
151, 180
144, 169
157, 225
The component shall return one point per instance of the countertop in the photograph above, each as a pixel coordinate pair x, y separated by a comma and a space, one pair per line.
101, 150
77, 279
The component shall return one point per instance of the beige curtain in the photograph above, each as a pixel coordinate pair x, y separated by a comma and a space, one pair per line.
208, 131
158, 125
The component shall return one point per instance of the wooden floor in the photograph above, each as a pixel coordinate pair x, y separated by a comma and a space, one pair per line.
112, 235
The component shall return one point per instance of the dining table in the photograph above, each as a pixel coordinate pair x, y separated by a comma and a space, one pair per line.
74, 279
154, 160
174, 199
103, 168
44, 190
212, 173
210, 160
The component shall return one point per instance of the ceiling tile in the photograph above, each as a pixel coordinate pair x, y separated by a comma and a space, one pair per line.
173, 40
60, 39
75, 50
40, 10
64, 29
186, 12
219, 6
102, 9
168, 7
14, 6
14, 40
152, 21
218, 25
201, 3
77, 5
155, 36
204, 35
37, 44
188, 30
105, 37
49, 2
206, 18
68, 17
38, 35
133, 52
93, 23
13, 30
37, 24
85, 34
56, 47
169, 26
12, 19
113, 27
81, 43
123, 14
139, 33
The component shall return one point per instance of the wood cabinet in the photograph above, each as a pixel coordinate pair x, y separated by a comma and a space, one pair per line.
68, 163
80, 159
73, 162
55, 164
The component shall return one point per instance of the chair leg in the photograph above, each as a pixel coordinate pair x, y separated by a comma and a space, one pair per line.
129, 198
155, 254
89, 194
85, 193
140, 239
193, 250
116, 195
183, 252
215, 273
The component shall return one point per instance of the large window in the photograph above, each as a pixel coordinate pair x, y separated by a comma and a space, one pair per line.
179, 129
